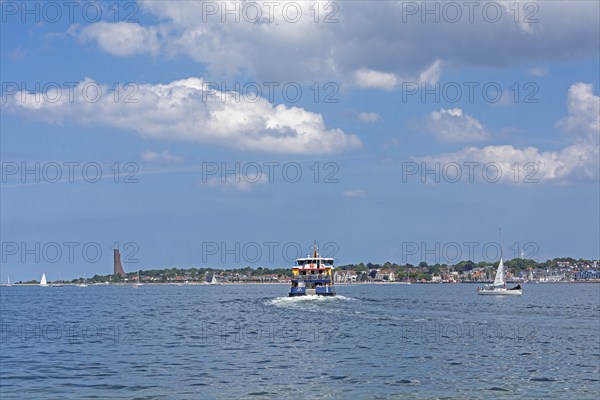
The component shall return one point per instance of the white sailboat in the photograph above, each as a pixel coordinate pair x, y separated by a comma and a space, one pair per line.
84, 284
498, 288
138, 283
8, 281
59, 283
407, 279
214, 280
43, 281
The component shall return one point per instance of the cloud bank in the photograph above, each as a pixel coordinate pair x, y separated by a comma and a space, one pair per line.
356, 42
579, 161
189, 110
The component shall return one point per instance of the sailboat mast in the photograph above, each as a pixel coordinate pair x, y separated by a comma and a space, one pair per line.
501, 251
501, 265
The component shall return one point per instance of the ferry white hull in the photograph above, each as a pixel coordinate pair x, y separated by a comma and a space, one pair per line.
312, 276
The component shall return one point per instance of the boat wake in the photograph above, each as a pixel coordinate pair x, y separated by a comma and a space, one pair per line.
294, 301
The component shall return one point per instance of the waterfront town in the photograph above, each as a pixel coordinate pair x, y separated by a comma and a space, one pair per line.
518, 271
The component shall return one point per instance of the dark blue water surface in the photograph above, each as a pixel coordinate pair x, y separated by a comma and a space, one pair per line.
250, 341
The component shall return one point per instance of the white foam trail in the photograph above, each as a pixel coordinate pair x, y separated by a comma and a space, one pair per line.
290, 301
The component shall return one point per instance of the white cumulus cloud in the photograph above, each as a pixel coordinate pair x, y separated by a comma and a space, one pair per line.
367, 78
538, 71
576, 162
452, 125
432, 74
368, 116
583, 121
354, 193
166, 156
189, 110
120, 38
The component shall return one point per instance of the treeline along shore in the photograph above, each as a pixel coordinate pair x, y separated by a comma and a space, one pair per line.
519, 270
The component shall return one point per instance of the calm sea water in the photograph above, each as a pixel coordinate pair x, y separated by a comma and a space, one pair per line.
244, 341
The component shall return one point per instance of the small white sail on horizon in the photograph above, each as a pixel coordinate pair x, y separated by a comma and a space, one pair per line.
84, 284
59, 283
407, 282
139, 282
43, 281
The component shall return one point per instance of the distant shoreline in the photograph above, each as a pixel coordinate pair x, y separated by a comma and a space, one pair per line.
288, 283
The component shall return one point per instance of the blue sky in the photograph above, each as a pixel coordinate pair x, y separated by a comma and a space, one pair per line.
380, 103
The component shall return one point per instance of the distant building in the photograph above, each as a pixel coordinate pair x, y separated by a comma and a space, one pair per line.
270, 277
478, 274
265, 278
344, 276
384, 275
588, 274
118, 268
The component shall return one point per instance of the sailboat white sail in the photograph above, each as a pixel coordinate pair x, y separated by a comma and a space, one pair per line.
499, 286
43, 281
500, 280
214, 280
8, 280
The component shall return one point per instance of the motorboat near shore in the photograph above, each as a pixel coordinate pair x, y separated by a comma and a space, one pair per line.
313, 276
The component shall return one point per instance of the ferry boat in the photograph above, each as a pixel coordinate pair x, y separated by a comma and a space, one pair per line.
313, 276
